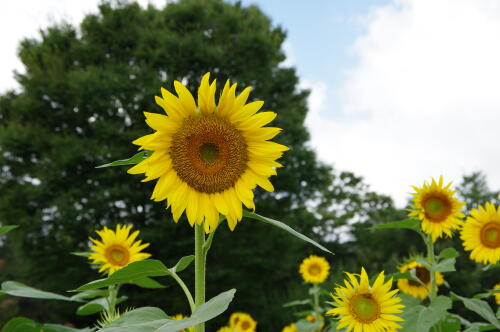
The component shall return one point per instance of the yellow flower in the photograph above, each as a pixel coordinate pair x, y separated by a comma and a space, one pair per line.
314, 269
226, 329
438, 209
481, 234
367, 308
242, 322
209, 157
413, 288
179, 317
497, 295
117, 248
290, 328
312, 319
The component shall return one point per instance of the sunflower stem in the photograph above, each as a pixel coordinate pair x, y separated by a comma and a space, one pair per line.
186, 291
199, 270
316, 298
432, 261
111, 299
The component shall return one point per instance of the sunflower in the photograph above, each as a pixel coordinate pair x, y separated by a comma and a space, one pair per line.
290, 328
497, 295
438, 209
117, 248
225, 329
209, 157
312, 318
366, 308
242, 322
179, 317
314, 269
414, 288
481, 234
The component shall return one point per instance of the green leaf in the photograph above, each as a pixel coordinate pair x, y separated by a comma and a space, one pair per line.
90, 294
410, 223
448, 253
182, 264
85, 254
446, 265
422, 319
135, 159
148, 283
8, 228
61, 328
96, 306
479, 327
155, 320
21, 324
284, 227
304, 325
17, 289
296, 303
491, 267
449, 323
481, 308
130, 274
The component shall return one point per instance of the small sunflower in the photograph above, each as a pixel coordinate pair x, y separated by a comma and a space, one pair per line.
414, 288
225, 329
243, 323
312, 318
366, 308
290, 328
209, 157
481, 234
314, 269
437, 207
117, 249
497, 295
179, 317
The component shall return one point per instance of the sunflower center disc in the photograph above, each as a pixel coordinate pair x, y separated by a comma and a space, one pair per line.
314, 270
423, 274
117, 255
437, 209
490, 235
365, 308
245, 325
209, 153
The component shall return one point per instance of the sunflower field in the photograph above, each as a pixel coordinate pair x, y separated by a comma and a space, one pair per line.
157, 177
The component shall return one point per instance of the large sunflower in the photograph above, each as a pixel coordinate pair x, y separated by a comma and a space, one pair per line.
481, 234
117, 249
438, 209
209, 157
414, 288
314, 269
362, 307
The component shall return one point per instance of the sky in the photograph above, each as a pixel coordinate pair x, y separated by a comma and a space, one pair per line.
401, 90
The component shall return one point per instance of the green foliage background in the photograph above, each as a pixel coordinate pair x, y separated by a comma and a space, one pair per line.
80, 105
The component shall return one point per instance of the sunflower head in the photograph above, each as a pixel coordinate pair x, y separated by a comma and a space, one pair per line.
365, 307
226, 329
242, 322
179, 317
116, 249
207, 157
314, 269
290, 328
437, 207
481, 234
313, 318
497, 295
414, 288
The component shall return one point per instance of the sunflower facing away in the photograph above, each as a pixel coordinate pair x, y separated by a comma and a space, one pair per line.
314, 269
362, 307
208, 157
290, 328
414, 288
481, 234
117, 249
438, 209
179, 317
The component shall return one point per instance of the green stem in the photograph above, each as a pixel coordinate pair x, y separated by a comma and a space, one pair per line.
186, 291
432, 261
316, 298
111, 299
199, 270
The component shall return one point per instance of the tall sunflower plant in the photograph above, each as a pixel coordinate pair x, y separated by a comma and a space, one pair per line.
206, 156
435, 213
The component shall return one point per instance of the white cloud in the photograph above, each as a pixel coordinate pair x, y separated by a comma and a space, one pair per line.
422, 100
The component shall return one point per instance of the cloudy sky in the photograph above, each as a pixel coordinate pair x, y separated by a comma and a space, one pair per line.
402, 90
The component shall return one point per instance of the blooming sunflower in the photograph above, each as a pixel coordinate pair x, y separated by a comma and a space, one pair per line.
481, 234
242, 322
225, 329
314, 269
497, 295
209, 157
438, 209
414, 288
117, 248
290, 328
312, 319
367, 308
179, 317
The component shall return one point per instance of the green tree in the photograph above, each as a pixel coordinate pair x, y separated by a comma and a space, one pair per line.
80, 105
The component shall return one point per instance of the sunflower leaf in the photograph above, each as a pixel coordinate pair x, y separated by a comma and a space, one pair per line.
481, 308
182, 264
15, 288
286, 228
448, 253
8, 228
446, 265
85, 254
491, 266
296, 303
135, 159
410, 223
